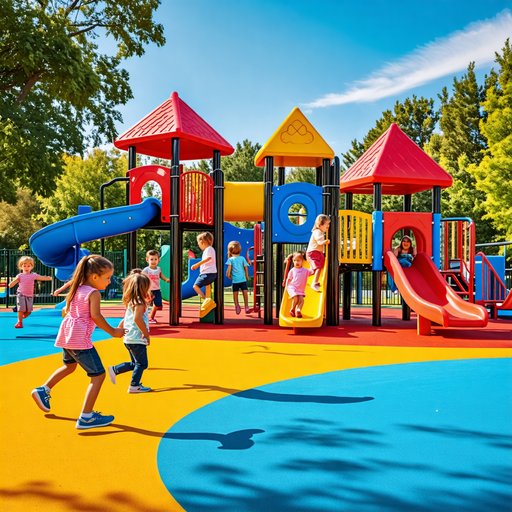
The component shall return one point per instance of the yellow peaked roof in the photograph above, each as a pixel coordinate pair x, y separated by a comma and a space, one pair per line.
295, 144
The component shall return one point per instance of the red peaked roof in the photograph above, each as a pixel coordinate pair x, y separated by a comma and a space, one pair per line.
174, 118
396, 162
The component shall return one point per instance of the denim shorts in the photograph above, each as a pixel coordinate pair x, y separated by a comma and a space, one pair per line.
240, 286
205, 279
88, 359
157, 298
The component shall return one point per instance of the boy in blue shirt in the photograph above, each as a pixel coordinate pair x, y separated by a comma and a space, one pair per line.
238, 273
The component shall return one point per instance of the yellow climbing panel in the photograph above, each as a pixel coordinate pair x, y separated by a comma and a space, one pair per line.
355, 237
295, 144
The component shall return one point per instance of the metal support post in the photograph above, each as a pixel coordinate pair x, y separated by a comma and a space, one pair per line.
218, 236
268, 248
279, 256
174, 236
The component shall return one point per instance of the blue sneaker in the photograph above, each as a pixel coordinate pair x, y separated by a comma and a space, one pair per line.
138, 389
42, 398
96, 420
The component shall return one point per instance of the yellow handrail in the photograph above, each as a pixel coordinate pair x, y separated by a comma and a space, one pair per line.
355, 237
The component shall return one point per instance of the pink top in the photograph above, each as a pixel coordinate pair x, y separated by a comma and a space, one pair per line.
76, 329
26, 286
299, 280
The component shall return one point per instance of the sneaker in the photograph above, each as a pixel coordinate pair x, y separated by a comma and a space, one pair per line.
138, 389
152, 321
238, 309
248, 310
315, 287
42, 398
19, 325
299, 314
112, 374
96, 420
292, 313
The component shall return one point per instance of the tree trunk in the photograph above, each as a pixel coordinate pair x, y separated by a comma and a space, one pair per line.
28, 85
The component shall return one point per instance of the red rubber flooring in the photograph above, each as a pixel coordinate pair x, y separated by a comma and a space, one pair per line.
358, 331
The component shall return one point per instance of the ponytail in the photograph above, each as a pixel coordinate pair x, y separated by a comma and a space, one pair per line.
87, 265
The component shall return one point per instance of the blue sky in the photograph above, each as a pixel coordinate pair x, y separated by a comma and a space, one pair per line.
243, 65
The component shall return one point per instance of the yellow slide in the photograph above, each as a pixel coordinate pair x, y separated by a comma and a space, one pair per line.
314, 303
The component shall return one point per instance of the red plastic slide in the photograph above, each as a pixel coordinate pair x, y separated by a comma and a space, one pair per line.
429, 295
507, 303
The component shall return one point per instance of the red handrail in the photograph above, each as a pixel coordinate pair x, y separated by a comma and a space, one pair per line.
499, 289
196, 198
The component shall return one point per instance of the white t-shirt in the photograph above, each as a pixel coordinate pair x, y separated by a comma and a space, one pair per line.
154, 277
211, 266
316, 237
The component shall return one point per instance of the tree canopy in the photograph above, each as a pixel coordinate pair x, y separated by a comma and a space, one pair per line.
59, 92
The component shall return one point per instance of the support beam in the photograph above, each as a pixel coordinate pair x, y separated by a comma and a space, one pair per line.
347, 276
333, 285
406, 310
268, 246
377, 274
174, 236
131, 238
281, 176
218, 235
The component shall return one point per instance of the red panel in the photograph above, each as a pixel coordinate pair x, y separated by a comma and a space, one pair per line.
161, 175
396, 162
196, 198
419, 223
174, 118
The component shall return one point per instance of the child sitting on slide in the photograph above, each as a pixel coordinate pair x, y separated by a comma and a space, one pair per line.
405, 253
296, 282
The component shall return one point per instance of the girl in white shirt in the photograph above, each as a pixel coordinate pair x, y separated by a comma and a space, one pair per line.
315, 251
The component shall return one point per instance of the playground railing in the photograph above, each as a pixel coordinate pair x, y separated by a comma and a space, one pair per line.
196, 198
355, 237
493, 288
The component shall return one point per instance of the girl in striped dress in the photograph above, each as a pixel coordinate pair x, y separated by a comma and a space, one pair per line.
92, 274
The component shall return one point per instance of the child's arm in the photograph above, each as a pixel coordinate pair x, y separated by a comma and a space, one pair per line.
246, 274
121, 324
202, 262
99, 320
43, 278
14, 283
228, 272
139, 320
62, 288
164, 278
324, 242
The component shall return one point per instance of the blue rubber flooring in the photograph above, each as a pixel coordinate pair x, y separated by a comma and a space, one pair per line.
433, 436
37, 337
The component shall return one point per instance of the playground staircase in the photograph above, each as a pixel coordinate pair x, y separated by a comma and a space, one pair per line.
494, 292
259, 284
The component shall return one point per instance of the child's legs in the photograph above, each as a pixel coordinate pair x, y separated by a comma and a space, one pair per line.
316, 277
157, 302
295, 301
21, 315
93, 390
68, 368
235, 298
199, 292
26, 313
139, 355
246, 298
300, 302
202, 281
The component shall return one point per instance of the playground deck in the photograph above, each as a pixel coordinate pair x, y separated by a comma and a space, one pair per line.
248, 417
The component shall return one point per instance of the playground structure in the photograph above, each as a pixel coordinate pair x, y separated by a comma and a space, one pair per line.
439, 287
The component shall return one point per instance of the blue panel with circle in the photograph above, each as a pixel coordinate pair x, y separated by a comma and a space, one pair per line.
284, 196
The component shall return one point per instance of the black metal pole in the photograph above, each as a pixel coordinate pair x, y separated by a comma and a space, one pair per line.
7, 289
279, 255
174, 235
436, 199
218, 234
318, 181
131, 237
377, 275
406, 310
333, 284
347, 276
268, 277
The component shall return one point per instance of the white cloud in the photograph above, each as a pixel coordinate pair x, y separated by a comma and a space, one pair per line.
478, 42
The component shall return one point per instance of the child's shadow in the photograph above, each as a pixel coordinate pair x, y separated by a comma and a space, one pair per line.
238, 440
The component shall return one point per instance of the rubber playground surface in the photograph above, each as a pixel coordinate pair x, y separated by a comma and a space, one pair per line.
248, 417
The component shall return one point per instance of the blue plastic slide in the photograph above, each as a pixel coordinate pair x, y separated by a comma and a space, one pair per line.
58, 245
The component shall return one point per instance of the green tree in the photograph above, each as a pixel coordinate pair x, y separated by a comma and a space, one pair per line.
80, 184
301, 175
59, 92
240, 165
493, 174
18, 222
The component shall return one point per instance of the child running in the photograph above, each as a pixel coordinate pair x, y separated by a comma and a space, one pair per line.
135, 295
208, 272
238, 273
25, 295
83, 315
154, 273
296, 282
315, 251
